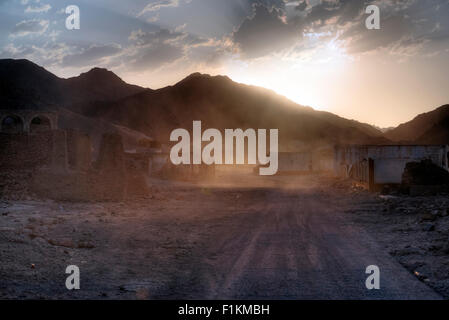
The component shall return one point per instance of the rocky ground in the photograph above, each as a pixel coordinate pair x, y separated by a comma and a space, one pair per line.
288, 237
414, 230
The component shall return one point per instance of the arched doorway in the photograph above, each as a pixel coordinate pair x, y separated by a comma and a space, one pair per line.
40, 124
12, 124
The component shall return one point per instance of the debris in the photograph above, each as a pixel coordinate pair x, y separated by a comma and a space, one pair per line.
424, 173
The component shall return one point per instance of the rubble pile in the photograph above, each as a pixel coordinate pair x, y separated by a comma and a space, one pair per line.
424, 173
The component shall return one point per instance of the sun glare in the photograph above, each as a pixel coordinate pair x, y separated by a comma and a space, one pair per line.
300, 79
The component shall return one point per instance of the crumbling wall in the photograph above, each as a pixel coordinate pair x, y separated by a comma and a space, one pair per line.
138, 168
138, 163
24, 151
79, 147
57, 165
389, 161
59, 153
107, 181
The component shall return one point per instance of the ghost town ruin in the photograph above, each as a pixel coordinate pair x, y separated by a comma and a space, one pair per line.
378, 166
39, 158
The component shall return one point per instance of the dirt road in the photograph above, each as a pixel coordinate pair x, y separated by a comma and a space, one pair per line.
276, 242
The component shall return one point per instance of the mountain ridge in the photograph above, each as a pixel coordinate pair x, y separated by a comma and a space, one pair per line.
216, 100
428, 128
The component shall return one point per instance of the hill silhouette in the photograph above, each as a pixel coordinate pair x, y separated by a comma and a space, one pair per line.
217, 101
427, 128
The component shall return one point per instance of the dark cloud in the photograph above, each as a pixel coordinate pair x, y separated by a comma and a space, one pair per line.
359, 39
337, 11
155, 56
265, 32
151, 50
142, 38
405, 26
270, 4
302, 5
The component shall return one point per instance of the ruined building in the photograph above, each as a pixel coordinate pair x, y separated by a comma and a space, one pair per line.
382, 165
38, 158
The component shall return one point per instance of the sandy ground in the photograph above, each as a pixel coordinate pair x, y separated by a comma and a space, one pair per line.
244, 238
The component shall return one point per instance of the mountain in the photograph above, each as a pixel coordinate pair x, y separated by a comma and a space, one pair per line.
427, 128
96, 85
215, 100
25, 85
221, 103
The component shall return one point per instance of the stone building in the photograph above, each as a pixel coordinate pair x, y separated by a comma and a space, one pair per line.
27, 121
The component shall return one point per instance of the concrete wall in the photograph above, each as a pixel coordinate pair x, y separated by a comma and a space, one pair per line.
389, 161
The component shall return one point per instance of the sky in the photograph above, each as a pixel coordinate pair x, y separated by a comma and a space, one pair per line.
318, 53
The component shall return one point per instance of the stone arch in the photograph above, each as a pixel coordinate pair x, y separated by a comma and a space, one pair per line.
40, 123
11, 123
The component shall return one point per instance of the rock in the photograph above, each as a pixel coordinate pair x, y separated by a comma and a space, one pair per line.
428, 216
85, 245
429, 227
435, 213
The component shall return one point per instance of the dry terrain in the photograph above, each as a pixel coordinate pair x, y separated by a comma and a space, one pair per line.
246, 237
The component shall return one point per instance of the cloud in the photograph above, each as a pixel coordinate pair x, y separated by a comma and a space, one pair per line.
265, 32
11, 51
406, 26
49, 54
38, 9
163, 35
154, 49
157, 5
155, 56
29, 27
302, 5
94, 54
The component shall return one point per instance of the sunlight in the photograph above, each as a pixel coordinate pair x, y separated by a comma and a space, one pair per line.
298, 78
